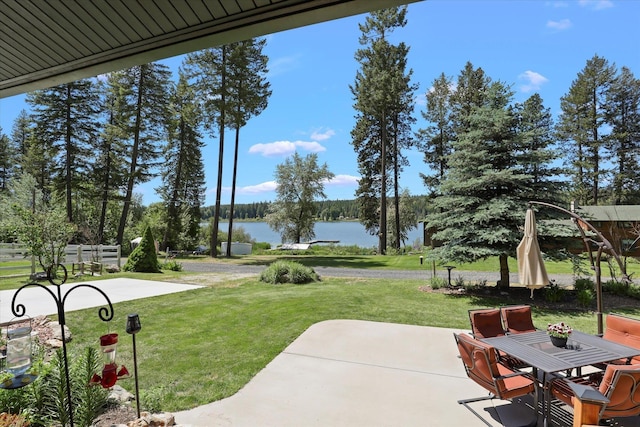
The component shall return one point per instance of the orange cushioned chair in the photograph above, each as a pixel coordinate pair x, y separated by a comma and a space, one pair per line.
482, 366
517, 319
620, 384
486, 323
623, 330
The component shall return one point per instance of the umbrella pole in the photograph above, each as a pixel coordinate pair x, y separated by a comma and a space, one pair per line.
599, 307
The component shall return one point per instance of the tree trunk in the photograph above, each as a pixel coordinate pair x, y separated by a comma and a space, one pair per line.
503, 283
134, 160
233, 190
216, 214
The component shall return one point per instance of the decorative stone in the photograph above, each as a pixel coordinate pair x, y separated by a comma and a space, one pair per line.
53, 343
120, 395
57, 333
163, 419
112, 268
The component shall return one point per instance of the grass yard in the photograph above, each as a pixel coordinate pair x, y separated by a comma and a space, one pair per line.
204, 345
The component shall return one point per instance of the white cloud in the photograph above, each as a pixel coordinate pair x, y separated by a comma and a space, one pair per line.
558, 4
282, 65
560, 25
285, 148
312, 146
318, 135
343, 180
421, 99
533, 81
596, 4
264, 187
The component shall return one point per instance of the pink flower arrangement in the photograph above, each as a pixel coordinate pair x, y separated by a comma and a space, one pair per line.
559, 330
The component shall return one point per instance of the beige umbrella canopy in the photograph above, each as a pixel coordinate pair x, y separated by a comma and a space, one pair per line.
531, 269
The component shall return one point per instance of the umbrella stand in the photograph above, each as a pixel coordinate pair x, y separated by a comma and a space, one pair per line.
603, 245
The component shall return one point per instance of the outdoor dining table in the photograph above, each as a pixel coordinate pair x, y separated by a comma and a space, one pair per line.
536, 350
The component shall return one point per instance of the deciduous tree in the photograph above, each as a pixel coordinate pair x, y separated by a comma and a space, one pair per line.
300, 181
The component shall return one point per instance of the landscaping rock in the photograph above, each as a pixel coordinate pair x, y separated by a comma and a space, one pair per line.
120, 395
153, 420
112, 268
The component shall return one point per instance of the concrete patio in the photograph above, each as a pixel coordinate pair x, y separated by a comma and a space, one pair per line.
358, 373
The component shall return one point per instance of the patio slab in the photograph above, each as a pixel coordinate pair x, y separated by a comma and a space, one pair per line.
347, 373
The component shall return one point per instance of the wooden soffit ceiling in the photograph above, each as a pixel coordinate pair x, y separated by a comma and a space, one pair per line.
45, 43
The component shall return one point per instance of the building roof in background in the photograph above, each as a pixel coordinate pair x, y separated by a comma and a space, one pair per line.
610, 213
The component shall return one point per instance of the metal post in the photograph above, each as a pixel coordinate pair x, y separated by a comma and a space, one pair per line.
603, 244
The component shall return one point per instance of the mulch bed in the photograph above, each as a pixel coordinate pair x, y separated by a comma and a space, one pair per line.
519, 295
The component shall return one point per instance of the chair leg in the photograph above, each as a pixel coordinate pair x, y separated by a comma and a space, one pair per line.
465, 403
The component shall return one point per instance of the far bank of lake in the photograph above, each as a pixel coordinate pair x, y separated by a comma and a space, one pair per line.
347, 232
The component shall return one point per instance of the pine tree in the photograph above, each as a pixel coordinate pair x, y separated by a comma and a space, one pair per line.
142, 94
622, 114
381, 92
248, 96
183, 170
208, 71
582, 128
484, 193
437, 138
8, 155
66, 120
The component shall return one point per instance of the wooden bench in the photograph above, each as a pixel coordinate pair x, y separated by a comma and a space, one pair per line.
623, 330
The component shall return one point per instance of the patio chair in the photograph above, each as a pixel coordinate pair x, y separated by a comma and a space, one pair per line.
486, 323
620, 385
517, 319
483, 367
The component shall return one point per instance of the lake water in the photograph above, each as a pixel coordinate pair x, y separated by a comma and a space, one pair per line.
347, 232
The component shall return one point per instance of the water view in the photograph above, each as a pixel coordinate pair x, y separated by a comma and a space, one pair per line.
347, 232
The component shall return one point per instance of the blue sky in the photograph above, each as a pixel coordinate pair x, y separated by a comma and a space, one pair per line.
536, 46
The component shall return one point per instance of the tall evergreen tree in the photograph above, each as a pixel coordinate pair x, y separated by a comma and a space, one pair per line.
8, 154
622, 114
66, 119
436, 139
183, 171
208, 71
582, 128
21, 132
249, 93
380, 92
142, 93
109, 171
534, 125
484, 193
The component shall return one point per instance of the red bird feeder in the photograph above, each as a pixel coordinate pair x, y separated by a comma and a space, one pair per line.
110, 372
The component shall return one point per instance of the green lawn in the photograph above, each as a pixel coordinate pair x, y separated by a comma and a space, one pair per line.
204, 345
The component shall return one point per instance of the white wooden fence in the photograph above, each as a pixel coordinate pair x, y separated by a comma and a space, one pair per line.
74, 254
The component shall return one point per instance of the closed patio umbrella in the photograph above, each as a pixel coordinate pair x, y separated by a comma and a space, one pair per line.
531, 269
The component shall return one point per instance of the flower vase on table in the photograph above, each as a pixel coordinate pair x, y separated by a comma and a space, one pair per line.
558, 341
559, 333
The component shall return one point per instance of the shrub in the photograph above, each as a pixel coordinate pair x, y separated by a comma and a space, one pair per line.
438, 282
172, 265
144, 259
585, 297
261, 246
151, 399
553, 293
615, 287
288, 272
582, 284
